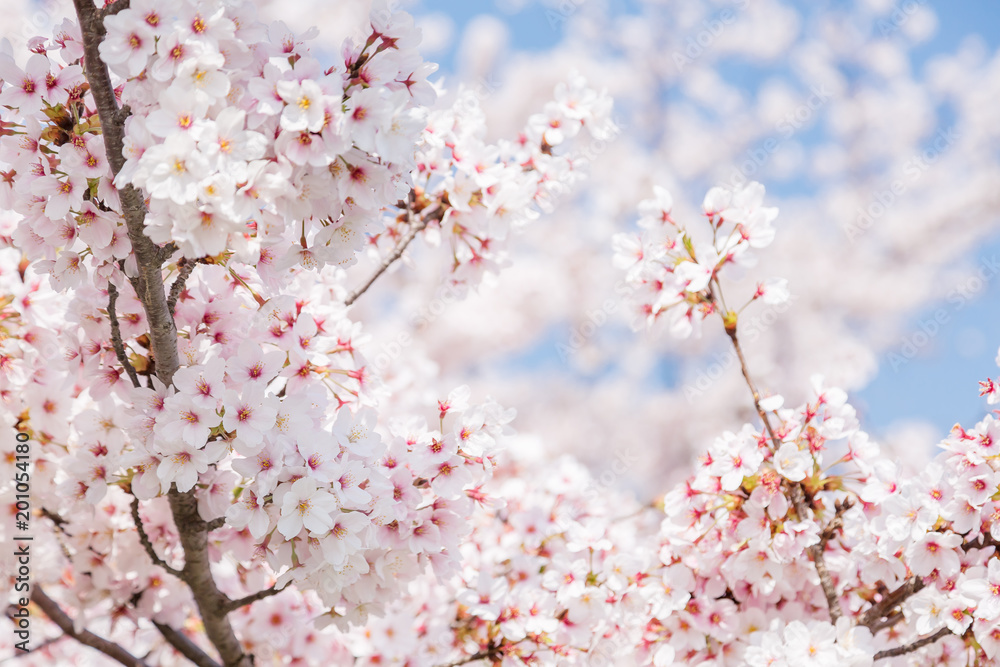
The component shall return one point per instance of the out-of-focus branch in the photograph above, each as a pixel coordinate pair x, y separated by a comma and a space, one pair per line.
481, 655
146, 543
185, 646
913, 646
884, 606
253, 597
85, 637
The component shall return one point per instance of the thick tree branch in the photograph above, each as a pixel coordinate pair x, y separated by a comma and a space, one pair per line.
197, 574
253, 597
148, 284
185, 267
85, 637
913, 646
116, 336
146, 543
185, 646
149, 281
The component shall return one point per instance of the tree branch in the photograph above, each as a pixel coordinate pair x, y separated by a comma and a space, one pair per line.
881, 609
797, 493
85, 637
116, 335
197, 574
910, 648
216, 524
149, 282
481, 655
185, 646
113, 8
185, 267
253, 597
397, 252
816, 553
146, 543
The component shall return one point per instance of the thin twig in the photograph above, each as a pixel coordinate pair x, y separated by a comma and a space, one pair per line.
253, 597
798, 495
415, 228
913, 646
85, 637
116, 335
185, 268
146, 543
185, 646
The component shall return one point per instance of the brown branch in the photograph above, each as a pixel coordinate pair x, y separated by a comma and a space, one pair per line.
253, 597
85, 637
148, 286
882, 608
185, 267
816, 553
149, 283
197, 574
797, 493
113, 8
185, 646
397, 252
911, 647
35, 650
481, 655
116, 335
146, 543
889, 621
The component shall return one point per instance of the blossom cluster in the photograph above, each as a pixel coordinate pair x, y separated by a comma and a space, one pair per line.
470, 195
673, 271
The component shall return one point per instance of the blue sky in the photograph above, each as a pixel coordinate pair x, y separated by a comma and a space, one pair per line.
939, 384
